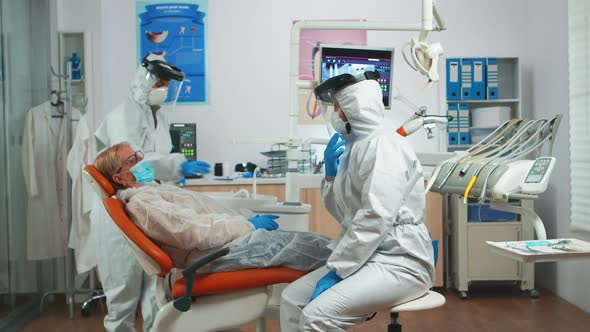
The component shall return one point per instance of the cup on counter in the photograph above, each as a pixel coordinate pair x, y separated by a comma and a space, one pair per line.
218, 169
227, 169
222, 169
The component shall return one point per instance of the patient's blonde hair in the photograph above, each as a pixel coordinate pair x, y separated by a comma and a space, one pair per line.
107, 162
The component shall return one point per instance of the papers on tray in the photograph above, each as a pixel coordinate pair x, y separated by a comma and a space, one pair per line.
542, 250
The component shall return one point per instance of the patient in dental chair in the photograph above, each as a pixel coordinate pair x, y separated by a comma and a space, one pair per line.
188, 225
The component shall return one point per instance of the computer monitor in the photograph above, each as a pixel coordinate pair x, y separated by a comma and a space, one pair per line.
348, 59
184, 139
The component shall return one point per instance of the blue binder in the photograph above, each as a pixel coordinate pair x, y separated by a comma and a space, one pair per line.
466, 81
492, 78
478, 78
464, 124
453, 79
453, 125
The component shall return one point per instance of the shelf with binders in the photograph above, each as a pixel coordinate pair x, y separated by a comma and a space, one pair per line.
486, 101
482, 93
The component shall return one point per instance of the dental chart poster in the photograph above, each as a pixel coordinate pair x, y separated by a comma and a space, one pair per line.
177, 31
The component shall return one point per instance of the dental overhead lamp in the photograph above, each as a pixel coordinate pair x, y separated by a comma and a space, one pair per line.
424, 56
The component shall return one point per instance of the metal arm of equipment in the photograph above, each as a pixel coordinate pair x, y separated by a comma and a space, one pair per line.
419, 119
527, 213
428, 122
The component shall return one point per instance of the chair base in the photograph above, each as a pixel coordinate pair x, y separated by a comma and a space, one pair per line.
96, 296
395, 326
214, 313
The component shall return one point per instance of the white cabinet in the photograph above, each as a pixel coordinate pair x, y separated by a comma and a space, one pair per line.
471, 258
483, 264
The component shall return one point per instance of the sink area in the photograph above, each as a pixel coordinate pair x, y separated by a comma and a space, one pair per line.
241, 199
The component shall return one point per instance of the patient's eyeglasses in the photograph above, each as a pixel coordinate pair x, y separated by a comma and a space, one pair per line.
132, 160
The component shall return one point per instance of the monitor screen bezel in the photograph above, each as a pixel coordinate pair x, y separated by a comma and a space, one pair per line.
390, 50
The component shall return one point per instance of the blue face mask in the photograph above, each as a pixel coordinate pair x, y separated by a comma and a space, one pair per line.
143, 172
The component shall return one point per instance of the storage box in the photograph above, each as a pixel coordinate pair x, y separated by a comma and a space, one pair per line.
478, 134
489, 117
484, 213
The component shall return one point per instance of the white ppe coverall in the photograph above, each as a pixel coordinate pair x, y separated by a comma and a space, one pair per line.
188, 225
123, 280
384, 253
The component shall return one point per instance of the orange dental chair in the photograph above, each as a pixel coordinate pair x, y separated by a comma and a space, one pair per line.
212, 302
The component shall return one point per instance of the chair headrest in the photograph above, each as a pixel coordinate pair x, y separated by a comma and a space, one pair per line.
99, 180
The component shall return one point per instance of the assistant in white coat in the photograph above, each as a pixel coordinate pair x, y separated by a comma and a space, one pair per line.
146, 128
82, 153
384, 254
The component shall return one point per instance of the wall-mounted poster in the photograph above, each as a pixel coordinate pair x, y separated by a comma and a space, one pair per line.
177, 31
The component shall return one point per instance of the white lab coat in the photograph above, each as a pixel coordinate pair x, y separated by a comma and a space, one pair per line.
44, 168
384, 253
82, 153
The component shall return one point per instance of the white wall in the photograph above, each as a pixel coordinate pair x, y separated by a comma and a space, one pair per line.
248, 52
548, 45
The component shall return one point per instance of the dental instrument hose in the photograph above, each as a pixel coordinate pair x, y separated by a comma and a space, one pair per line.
470, 185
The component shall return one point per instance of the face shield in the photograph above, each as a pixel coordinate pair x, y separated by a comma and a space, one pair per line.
167, 80
325, 95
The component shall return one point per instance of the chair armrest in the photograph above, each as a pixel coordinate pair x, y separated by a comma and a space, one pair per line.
184, 303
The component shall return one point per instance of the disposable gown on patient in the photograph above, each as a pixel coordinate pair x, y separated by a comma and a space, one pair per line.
188, 225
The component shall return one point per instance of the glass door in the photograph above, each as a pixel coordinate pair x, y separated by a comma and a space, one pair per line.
25, 29
5, 299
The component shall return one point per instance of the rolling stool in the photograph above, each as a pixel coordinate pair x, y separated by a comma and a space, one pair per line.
430, 300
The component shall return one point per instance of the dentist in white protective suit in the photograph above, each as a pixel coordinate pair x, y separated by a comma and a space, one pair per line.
141, 121
374, 187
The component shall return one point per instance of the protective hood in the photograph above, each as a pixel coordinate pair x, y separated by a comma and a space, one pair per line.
143, 81
141, 85
363, 105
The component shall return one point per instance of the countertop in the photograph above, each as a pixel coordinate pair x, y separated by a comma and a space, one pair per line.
307, 179
212, 181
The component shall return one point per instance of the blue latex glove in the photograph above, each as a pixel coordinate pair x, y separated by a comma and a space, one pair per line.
331, 154
181, 182
435, 249
329, 280
265, 221
194, 167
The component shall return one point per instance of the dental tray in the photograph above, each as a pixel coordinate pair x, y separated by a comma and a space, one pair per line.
539, 251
